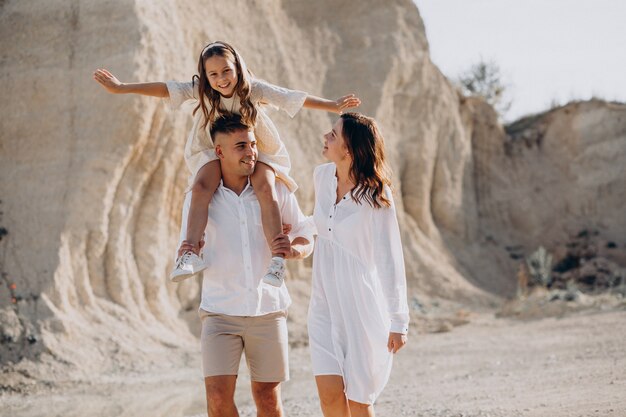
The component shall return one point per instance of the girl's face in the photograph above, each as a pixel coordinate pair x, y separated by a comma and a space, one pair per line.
335, 148
222, 75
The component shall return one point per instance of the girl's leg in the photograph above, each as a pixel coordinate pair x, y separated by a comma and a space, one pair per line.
360, 409
333, 400
264, 183
206, 182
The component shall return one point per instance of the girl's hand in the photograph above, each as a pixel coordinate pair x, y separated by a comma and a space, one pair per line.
347, 102
396, 342
108, 81
286, 228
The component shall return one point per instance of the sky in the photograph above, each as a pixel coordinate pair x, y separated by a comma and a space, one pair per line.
549, 51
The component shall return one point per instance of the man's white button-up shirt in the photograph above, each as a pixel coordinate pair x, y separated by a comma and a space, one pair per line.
238, 255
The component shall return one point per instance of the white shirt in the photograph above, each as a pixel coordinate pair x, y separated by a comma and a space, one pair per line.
238, 255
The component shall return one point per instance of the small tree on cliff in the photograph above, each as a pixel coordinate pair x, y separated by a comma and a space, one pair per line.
483, 79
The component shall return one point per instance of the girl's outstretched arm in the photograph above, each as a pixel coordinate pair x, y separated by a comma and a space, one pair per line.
114, 86
333, 106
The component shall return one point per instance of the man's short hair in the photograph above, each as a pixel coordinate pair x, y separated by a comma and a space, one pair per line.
228, 123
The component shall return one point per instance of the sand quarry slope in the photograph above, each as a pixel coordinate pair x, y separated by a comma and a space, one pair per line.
91, 184
557, 367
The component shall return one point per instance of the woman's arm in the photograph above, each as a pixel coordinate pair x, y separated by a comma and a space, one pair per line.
114, 86
336, 106
390, 265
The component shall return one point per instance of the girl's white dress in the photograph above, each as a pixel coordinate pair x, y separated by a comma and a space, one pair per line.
199, 148
359, 289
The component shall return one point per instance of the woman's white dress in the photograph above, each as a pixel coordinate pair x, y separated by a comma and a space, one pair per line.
359, 289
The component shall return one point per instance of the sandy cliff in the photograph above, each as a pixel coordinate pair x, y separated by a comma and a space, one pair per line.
92, 183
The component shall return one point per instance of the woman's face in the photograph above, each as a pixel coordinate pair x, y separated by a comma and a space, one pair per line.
335, 148
222, 75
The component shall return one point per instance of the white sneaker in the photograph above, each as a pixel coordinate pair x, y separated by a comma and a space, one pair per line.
187, 266
276, 272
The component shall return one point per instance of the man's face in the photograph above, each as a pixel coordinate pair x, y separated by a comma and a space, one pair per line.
237, 152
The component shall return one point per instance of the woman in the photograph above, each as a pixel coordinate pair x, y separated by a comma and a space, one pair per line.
358, 315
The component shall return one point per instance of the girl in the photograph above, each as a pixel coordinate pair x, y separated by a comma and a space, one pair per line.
358, 314
224, 85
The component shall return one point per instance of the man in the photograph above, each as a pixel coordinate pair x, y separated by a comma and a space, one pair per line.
240, 313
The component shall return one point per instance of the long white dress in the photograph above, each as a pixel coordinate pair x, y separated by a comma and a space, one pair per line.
359, 289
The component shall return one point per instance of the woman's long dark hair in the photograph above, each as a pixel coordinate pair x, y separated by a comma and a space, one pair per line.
369, 169
242, 89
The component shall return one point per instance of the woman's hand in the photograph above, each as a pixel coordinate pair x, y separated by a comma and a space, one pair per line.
347, 102
396, 342
108, 81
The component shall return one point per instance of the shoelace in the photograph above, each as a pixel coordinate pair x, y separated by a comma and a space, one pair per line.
276, 268
183, 259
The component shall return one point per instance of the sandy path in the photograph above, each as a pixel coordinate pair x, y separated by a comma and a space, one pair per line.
575, 366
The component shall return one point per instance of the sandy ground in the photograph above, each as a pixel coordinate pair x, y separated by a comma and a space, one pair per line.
572, 366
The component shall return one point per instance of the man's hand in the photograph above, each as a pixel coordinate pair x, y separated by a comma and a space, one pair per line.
290, 250
187, 246
396, 342
281, 245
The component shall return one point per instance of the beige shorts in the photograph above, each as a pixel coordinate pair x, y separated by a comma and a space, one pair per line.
263, 338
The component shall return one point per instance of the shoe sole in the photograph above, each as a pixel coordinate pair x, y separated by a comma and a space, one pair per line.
181, 276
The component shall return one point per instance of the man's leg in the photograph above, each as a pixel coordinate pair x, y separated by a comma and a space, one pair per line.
220, 395
265, 341
221, 345
333, 400
267, 398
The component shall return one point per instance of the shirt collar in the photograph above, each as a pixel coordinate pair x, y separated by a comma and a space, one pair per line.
247, 189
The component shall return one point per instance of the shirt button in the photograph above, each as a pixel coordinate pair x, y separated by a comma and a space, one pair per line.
329, 229
331, 216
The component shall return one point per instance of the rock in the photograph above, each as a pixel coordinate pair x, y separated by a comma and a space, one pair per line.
444, 327
102, 212
10, 327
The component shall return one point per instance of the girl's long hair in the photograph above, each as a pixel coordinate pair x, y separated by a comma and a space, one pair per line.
242, 89
369, 169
